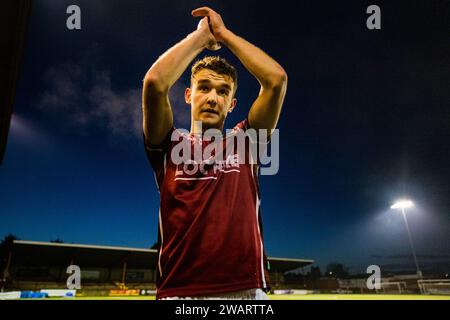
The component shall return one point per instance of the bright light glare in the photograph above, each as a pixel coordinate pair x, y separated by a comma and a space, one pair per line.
402, 204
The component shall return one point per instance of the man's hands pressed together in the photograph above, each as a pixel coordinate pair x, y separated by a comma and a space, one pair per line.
210, 40
215, 21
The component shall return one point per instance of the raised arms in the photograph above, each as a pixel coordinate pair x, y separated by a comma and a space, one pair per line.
157, 112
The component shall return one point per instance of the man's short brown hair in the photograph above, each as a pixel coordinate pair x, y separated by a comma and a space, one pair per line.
217, 64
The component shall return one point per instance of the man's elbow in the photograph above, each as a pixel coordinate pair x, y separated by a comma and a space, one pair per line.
277, 80
152, 83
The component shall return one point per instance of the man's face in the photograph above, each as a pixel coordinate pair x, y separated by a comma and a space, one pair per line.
211, 98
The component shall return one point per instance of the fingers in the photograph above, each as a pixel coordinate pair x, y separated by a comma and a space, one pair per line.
202, 22
213, 20
199, 13
203, 11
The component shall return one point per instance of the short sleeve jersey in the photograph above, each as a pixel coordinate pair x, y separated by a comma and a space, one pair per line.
210, 228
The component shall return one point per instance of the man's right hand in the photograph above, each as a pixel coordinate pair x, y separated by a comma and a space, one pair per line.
210, 41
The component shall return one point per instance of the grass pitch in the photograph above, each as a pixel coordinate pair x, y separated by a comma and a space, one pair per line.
358, 297
295, 297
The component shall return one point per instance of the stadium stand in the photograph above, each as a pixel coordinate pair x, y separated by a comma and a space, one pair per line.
105, 270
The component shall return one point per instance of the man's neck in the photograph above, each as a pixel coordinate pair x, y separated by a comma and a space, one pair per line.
198, 129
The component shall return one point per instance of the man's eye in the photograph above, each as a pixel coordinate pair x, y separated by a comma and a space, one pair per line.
203, 88
224, 92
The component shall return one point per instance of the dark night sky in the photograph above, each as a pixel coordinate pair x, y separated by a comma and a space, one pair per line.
366, 120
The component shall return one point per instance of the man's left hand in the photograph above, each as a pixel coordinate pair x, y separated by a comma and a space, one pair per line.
215, 21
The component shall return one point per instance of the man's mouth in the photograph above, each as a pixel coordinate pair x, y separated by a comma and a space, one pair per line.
210, 111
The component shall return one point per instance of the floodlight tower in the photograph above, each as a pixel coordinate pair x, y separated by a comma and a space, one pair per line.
403, 205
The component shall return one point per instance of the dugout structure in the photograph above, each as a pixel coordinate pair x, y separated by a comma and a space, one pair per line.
37, 265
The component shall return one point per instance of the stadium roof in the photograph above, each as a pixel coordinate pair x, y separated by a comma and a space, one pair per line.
31, 253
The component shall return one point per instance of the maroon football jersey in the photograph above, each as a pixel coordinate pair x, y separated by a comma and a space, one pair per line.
210, 227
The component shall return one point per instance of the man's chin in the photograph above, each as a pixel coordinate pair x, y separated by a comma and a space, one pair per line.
211, 123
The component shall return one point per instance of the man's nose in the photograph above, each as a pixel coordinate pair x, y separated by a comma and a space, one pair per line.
212, 98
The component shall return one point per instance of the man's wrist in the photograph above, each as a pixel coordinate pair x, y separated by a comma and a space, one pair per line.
224, 36
200, 38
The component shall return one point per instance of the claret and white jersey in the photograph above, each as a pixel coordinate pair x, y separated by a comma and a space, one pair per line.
210, 227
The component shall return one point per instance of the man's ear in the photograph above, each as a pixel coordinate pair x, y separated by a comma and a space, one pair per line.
187, 95
232, 105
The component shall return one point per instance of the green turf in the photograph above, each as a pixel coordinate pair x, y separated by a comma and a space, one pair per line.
297, 297
358, 297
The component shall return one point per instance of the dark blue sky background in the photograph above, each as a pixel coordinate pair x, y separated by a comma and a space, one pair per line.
365, 121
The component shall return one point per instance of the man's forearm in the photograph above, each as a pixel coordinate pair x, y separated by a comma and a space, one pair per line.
171, 65
265, 69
